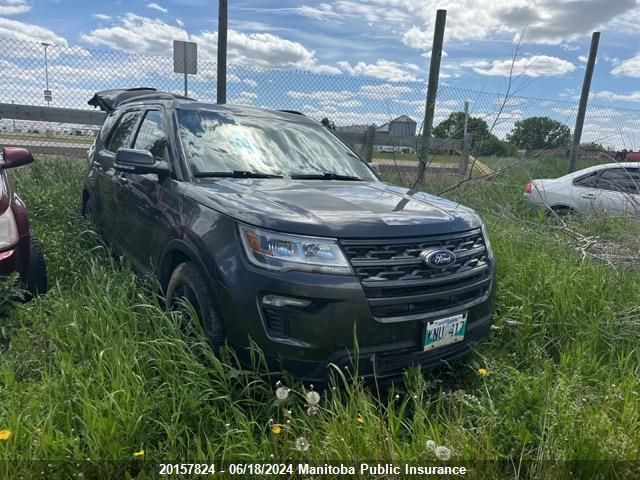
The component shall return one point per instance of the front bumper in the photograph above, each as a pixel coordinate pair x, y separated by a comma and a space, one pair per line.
337, 327
386, 361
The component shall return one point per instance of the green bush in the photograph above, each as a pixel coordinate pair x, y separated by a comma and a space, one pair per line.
493, 146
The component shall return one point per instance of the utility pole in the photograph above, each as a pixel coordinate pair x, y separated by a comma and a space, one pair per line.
584, 98
46, 69
222, 51
432, 91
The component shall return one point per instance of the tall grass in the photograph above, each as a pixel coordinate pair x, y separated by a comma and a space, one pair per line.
96, 371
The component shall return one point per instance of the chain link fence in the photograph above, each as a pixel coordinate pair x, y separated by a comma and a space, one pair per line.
350, 103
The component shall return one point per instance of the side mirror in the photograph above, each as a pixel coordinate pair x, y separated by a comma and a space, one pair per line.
140, 162
15, 157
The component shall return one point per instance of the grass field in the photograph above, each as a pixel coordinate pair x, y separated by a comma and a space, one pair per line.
95, 370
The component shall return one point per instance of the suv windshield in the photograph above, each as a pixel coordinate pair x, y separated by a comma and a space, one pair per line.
217, 142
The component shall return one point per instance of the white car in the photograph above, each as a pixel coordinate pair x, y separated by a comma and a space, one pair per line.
611, 189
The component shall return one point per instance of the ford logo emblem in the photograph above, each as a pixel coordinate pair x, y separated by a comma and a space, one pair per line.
438, 257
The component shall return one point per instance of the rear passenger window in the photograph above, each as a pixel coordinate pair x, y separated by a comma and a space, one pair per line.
122, 134
151, 135
588, 181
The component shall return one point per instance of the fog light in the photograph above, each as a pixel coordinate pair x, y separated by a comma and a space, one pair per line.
278, 301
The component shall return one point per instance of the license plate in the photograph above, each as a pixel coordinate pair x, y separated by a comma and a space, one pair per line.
445, 331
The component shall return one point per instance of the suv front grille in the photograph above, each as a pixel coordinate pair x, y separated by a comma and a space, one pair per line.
397, 282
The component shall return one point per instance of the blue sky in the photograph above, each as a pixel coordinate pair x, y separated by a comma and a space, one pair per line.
378, 40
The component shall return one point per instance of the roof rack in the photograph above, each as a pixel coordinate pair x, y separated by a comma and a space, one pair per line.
109, 100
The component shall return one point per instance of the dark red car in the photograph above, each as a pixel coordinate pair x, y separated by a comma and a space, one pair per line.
20, 251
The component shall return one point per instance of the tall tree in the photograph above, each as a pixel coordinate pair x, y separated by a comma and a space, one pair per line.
535, 133
453, 127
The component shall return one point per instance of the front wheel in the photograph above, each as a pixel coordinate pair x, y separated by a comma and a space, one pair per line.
187, 285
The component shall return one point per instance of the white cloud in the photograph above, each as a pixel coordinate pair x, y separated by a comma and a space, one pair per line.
534, 66
628, 68
610, 96
383, 69
263, 50
159, 8
101, 16
136, 34
245, 98
545, 21
14, 7
322, 12
32, 35
250, 83
179, 22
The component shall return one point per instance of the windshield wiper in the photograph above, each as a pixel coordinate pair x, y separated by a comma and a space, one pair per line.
235, 174
325, 176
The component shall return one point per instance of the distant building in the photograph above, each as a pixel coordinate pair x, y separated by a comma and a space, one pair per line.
402, 126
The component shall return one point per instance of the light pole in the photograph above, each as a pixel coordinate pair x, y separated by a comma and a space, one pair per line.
46, 69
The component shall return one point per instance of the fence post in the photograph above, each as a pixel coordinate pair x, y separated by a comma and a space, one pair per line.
584, 98
466, 150
368, 143
222, 52
432, 91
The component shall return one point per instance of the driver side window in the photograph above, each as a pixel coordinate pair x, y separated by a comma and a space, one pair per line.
121, 136
151, 135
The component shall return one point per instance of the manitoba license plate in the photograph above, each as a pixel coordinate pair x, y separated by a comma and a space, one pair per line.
445, 331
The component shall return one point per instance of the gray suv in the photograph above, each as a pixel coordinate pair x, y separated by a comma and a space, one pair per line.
279, 234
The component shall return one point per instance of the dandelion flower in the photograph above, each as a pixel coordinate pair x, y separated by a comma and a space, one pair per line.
312, 410
282, 393
360, 420
482, 372
431, 446
5, 434
313, 398
302, 444
139, 454
276, 429
443, 453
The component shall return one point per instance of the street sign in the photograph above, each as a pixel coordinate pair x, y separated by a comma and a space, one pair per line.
185, 57
47, 95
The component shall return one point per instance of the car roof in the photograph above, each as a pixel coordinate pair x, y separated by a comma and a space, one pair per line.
110, 100
603, 166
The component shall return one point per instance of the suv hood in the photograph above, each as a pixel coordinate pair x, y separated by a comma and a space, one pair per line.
331, 208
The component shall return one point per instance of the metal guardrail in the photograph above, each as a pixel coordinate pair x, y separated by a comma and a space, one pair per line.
51, 114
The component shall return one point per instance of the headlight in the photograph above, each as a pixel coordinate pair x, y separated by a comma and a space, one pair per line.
487, 242
8, 229
278, 251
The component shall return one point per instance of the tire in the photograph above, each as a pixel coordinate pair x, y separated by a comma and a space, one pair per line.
187, 283
89, 210
37, 271
561, 211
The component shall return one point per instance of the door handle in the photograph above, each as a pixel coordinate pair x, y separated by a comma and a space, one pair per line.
588, 195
